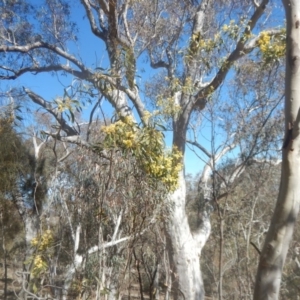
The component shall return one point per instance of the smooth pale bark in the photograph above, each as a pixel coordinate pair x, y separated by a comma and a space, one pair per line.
280, 233
185, 248
75, 265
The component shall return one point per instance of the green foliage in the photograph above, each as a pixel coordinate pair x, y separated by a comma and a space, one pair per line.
42, 245
68, 106
272, 47
168, 107
13, 155
147, 145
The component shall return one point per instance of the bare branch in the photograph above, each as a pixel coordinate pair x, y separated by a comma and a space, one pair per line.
37, 147
43, 45
256, 4
75, 139
91, 18
124, 239
104, 5
108, 244
200, 147
272, 162
36, 70
91, 118
65, 156
124, 16
212, 161
118, 223
138, 103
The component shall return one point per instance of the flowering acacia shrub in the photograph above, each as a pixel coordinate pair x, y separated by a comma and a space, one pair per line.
39, 260
42, 244
272, 47
146, 144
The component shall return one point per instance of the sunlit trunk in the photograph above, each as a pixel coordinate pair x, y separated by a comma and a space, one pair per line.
184, 249
74, 266
280, 233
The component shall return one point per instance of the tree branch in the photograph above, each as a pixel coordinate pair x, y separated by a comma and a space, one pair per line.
54, 112
200, 147
75, 139
91, 18
200, 16
238, 52
36, 70
43, 45
126, 28
159, 64
132, 94
138, 103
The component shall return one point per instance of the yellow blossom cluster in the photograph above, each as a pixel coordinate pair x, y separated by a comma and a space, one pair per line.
165, 167
41, 243
39, 265
264, 42
147, 145
207, 44
44, 241
121, 134
271, 47
188, 87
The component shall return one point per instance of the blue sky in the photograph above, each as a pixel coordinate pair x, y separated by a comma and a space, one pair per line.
93, 53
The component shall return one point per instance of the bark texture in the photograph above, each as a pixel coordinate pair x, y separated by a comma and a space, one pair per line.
185, 249
287, 207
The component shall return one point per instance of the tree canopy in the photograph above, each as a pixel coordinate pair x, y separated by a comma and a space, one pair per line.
134, 76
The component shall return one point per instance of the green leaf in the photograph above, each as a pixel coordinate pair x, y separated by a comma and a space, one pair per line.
161, 126
19, 118
72, 116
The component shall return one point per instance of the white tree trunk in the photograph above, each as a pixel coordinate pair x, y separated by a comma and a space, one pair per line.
184, 249
274, 252
75, 265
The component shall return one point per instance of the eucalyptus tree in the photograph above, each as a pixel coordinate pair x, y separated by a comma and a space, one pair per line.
242, 145
191, 45
282, 225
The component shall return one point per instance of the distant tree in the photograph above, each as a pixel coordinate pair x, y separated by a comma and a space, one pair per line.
11, 156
